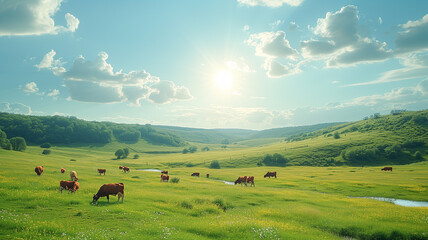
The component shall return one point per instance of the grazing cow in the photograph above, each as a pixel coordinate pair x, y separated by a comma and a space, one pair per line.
165, 172
195, 174
110, 189
62, 170
387, 169
39, 170
120, 167
125, 169
241, 180
164, 178
71, 186
250, 179
101, 171
270, 174
73, 176
208, 175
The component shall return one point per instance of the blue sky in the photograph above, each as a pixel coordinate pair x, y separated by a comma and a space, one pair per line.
252, 64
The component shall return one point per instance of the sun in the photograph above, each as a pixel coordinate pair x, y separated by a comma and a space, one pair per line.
224, 79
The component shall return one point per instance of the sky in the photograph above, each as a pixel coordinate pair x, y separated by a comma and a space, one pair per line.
250, 64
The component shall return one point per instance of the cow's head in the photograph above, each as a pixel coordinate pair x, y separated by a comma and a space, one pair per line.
95, 198
236, 181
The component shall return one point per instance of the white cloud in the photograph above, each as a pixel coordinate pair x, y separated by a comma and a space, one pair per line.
166, 92
380, 20
53, 93
96, 81
340, 44
272, 44
276, 70
17, 108
271, 3
276, 23
414, 36
246, 28
30, 88
32, 17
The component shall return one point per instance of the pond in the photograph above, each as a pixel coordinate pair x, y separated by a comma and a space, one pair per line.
401, 202
150, 170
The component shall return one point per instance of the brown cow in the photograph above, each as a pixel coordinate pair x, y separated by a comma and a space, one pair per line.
120, 167
208, 175
110, 189
387, 169
62, 170
165, 172
250, 179
241, 180
195, 174
73, 176
72, 186
164, 178
101, 171
39, 170
270, 174
125, 169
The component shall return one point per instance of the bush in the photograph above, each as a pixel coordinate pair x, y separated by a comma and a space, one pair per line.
175, 180
18, 144
46, 152
205, 149
413, 143
136, 156
193, 149
215, 164
275, 160
185, 151
393, 151
119, 153
360, 155
46, 145
259, 163
336, 135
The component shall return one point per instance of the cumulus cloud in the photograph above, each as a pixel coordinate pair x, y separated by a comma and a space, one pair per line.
272, 44
30, 88
414, 36
166, 91
32, 17
17, 108
341, 44
270, 3
276, 70
96, 81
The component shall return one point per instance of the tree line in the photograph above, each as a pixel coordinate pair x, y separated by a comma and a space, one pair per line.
65, 130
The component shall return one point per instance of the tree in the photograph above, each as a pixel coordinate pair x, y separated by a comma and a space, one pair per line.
224, 146
418, 155
119, 153
215, 164
46, 152
360, 155
4, 142
136, 156
18, 144
185, 151
205, 149
225, 141
336, 135
193, 149
125, 152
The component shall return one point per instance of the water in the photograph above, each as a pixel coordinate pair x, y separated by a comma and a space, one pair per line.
228, 183
150, 170
401, 202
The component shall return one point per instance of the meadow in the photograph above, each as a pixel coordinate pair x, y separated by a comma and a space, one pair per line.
302, 203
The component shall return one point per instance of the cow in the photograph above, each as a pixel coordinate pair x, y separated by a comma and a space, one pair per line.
125, 169
165, 172
73, 176
208, 175
71, 186
195, 174
110, 189
62, 170
164, 178
270, 174
101, 171
387, 169
39, 170
250, 179
120, 167
241, 180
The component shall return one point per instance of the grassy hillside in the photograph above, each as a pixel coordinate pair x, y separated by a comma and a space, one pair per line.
302, 203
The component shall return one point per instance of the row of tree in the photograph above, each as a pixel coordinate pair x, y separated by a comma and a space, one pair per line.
15, 143
64, 130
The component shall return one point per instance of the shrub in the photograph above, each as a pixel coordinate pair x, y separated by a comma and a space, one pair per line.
259, 163
215, 164
136, 156
205, 149
193, 149
393, 151
185, 151
46, 145
275, 160
119, 153
18, 144
336, 135
46, 152
360, 155
175, 180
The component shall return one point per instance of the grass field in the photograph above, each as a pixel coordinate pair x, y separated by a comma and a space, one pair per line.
302, 203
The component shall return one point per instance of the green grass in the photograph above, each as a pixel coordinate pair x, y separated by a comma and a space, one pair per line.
302, 203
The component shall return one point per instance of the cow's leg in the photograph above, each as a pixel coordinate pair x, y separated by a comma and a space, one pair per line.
60, 189
108, 199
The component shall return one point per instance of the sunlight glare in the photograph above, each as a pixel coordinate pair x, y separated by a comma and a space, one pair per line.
224, 79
